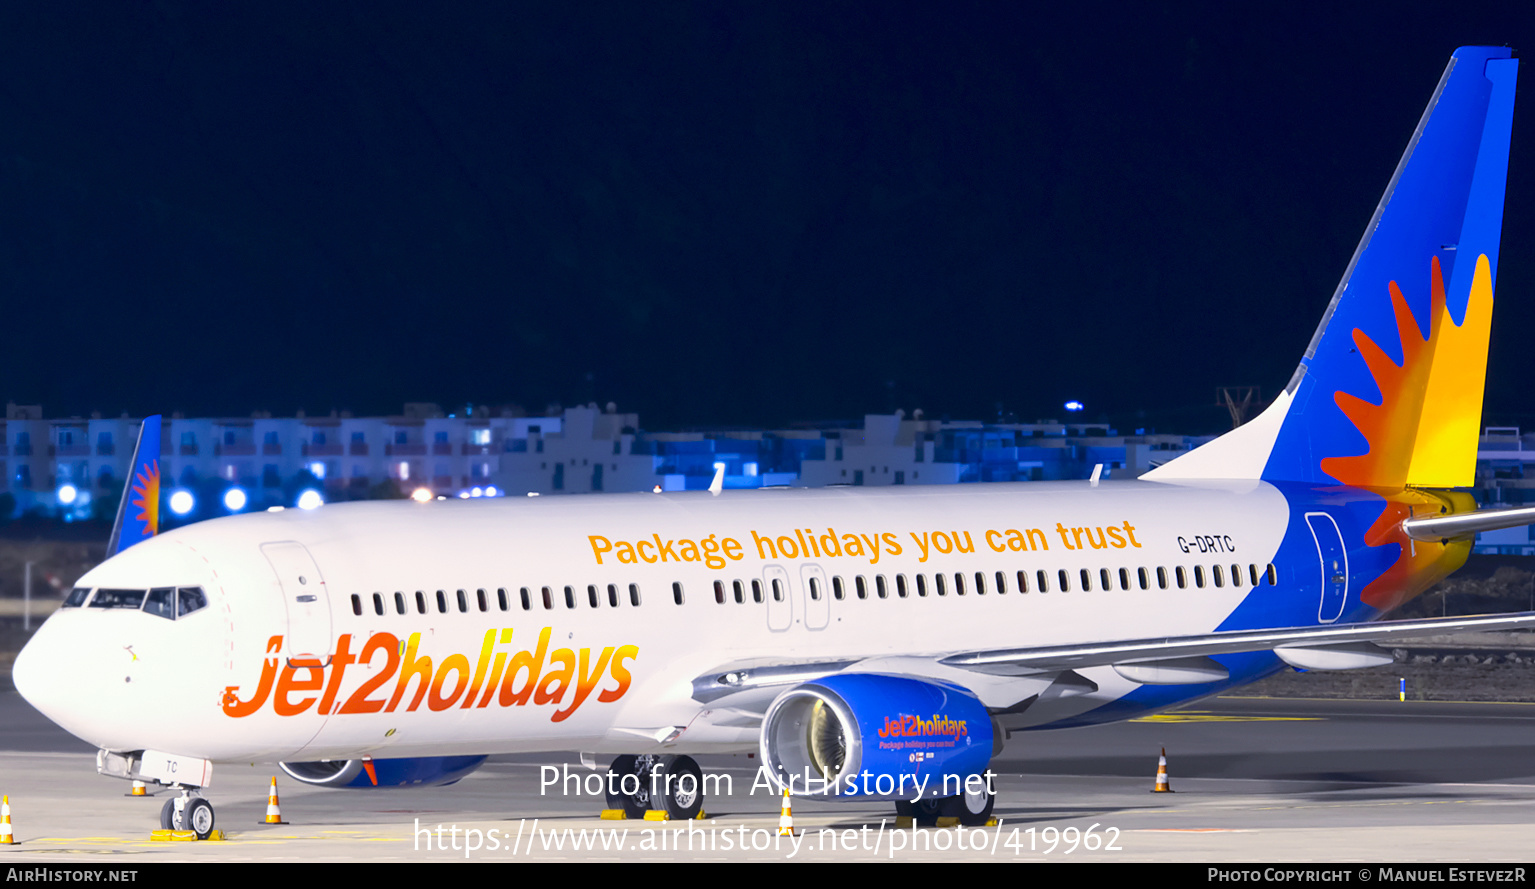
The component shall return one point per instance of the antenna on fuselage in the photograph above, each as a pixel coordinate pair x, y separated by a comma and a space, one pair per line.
1097, 474
719, 480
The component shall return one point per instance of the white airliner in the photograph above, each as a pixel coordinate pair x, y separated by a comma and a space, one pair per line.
870, 643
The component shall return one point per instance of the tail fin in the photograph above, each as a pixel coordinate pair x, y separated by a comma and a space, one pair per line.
1389, 393
141, 493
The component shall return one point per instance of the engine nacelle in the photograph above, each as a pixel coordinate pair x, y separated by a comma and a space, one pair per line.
426, 770
870, 736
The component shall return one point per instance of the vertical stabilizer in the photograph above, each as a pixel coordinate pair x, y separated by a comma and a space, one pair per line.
1389, 392
138, 512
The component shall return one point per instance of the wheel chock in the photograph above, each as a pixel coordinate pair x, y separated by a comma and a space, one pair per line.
902, 822
947, 821
614, 815
165, 835
657, 815
700, 816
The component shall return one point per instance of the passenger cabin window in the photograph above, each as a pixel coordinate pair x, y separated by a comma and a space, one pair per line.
420, 602
880, 588
634, 594
399, 603
677, 592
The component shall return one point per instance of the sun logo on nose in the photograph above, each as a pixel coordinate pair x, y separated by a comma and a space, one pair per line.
148, 500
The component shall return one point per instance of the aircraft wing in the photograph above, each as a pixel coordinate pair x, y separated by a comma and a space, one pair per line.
1281, 641
1171, 660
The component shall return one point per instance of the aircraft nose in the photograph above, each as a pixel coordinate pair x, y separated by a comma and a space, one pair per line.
36, 675
53, 676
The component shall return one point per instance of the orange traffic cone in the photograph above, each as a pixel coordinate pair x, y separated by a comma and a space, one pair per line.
786, 816
138, 789
6, 837
1162, 785
273, 816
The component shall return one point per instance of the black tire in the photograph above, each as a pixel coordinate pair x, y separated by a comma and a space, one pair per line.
928, 810
633, 804
198, 817
972, 809
679, 788
168, 814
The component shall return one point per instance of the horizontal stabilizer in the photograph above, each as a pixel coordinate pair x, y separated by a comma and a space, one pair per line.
1468, 524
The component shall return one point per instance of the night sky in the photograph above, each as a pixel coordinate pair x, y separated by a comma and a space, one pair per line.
710, 213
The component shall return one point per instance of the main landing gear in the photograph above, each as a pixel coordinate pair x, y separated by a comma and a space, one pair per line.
969, 809
671, 784
187, 812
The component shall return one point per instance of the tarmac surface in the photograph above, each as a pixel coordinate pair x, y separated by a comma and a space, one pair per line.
1256, 780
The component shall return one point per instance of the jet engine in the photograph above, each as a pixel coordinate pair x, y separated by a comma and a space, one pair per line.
426, 770
871, 736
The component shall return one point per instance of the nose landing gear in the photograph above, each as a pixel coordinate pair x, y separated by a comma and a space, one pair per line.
187, 812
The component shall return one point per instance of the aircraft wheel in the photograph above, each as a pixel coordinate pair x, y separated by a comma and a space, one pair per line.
626, 769
972, 809
924, 812
198, 817
679, 787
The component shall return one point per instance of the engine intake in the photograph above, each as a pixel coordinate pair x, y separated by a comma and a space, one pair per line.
871, 736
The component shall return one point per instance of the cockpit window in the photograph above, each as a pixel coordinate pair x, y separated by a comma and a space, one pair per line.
190, 600
77, 597
118, 599
161, 602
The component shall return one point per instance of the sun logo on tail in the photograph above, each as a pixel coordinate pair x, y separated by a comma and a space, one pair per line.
147, 487
1423, 433
1424, 430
